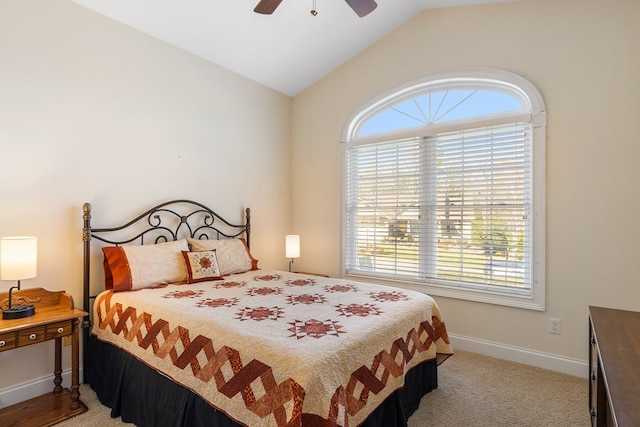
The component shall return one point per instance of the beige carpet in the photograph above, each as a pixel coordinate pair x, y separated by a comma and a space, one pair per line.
474, 390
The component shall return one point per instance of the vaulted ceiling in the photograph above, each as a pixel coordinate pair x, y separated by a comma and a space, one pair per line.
288, 50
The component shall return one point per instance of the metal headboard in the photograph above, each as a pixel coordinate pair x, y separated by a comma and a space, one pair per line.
169, 221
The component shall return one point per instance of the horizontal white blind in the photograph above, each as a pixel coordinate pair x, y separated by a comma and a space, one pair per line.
383, 207
454, 207
482, 180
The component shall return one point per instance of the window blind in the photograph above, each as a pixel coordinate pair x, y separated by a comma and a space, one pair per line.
383, 207
453, 207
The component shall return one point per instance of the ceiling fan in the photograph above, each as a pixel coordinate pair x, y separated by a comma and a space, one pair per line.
360, 7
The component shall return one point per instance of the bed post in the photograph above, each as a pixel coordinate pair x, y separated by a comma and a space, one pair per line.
247, 223
86, 258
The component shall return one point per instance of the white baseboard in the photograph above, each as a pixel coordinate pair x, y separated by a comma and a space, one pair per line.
30, 389
567, 365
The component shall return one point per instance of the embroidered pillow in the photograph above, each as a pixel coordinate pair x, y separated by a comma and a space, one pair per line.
144, 266
233, 254
201, 266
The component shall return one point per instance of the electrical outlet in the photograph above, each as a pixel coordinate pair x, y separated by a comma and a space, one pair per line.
554, 326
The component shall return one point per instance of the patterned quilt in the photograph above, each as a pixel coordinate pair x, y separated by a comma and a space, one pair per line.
271, 348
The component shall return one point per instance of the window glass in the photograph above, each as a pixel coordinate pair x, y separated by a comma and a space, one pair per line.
438, 107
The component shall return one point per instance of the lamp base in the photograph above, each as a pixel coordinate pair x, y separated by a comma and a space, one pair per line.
18, 312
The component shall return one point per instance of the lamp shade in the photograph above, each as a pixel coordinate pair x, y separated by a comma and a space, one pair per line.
292, 246
18, 257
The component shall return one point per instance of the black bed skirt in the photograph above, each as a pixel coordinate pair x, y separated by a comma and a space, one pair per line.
142, 396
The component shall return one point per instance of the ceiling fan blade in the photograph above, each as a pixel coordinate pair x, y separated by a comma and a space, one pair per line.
362, 7
267, 6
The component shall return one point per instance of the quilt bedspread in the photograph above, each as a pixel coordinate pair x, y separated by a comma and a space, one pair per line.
271, 348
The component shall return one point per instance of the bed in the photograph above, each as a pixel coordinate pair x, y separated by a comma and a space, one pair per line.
186, 329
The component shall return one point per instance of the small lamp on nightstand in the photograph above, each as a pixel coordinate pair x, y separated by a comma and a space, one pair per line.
292, 248
18, 261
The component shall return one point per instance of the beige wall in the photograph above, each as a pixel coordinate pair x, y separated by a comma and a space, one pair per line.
93, 111
584, 57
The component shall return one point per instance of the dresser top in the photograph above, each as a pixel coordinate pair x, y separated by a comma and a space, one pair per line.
617, 334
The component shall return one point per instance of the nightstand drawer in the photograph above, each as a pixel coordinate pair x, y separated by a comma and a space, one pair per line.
31, 336
60, 329
7, 341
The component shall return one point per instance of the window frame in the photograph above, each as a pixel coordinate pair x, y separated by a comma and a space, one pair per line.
534, 112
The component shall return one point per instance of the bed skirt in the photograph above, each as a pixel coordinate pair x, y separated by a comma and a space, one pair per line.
144, 397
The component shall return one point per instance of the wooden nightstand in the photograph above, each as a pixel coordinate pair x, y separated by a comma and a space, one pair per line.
55, 318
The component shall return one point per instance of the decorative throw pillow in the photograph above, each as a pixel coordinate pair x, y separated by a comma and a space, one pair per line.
202, 266
132, 267
233, 254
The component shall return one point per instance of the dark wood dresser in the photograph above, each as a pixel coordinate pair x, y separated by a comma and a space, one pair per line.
614, 366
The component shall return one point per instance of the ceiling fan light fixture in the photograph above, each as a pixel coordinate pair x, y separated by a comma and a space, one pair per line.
361, 7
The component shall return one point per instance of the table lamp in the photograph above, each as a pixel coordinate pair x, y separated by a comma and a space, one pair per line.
18, 261
292, 247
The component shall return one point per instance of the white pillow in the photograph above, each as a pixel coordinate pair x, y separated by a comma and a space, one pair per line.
232, 254
131, 267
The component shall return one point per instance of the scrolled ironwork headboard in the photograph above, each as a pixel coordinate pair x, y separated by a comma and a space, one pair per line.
168, 221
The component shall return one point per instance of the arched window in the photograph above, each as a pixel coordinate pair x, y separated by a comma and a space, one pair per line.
443, 187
